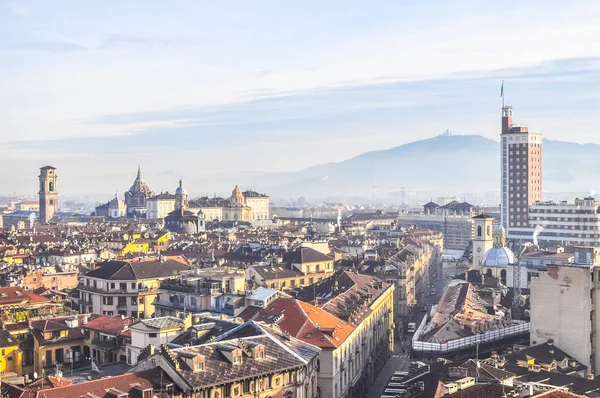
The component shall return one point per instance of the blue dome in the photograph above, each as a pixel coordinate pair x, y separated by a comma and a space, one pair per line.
498, 257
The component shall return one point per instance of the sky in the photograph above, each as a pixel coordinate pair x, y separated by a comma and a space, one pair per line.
223, 89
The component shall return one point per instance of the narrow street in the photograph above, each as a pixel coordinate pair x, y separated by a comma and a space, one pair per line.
400, 360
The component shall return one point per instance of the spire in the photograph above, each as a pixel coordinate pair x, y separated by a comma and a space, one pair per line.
139, 174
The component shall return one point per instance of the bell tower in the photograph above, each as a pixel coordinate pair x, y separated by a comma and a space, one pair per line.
483, 239
48, 194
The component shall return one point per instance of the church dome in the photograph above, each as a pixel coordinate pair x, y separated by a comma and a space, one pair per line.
498, 256
116, 203
499, 229
180, 189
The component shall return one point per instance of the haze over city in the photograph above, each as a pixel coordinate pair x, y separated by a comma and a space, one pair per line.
227, 89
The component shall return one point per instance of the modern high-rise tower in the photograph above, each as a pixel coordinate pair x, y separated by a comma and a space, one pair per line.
48, 194
521, 172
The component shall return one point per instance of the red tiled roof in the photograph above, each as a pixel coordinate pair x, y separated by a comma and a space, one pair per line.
108, 324
306, 322
100, 388
14, 295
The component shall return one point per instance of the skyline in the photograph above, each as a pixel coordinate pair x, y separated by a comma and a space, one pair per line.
193, 85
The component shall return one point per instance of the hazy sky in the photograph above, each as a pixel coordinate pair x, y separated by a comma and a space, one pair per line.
207, 87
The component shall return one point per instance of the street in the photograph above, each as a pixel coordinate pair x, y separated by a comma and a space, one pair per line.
400, 360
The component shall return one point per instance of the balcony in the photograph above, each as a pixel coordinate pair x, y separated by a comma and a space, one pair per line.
136, 290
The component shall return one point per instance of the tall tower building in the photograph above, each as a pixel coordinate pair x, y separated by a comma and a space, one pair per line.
521, 172
48, 194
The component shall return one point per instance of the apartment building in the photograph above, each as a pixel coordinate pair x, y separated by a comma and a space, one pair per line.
127, 288
203, 289
252, 360
565, 296
575, 223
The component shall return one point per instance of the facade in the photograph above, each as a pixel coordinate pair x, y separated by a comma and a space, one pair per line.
482, 239
136, 196
564, 304
29, 205
251, 360
203, 289
365, 303
19, 219
56, 341
521, 170
457, 228
160, 205
302, 267
259, 203
155, 332
48, 194
106, 338
564, 223
126, 288
237, 209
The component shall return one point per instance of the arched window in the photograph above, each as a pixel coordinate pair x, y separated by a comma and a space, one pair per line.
503, 277
51, 186
479, 230
489, 231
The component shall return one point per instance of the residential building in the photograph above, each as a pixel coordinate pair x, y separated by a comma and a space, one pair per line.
106, 338
562, 223
301, 267
160, 206
126, 288
11, 357
136, 197
56, 341
564, 296
148, 384
48, 194
28, 205
546, 356
259, 203
18, 305
408, 270
220, 290
521, 173
366, 304
249, 361
155, 332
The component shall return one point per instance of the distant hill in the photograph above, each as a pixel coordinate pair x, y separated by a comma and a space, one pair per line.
443, 164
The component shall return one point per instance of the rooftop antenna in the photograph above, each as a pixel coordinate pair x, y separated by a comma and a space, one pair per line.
502, 93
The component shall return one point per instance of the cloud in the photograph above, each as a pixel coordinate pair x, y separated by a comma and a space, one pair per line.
117, 40
51, 46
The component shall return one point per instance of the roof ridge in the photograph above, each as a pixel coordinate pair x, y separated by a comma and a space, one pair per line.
289, 350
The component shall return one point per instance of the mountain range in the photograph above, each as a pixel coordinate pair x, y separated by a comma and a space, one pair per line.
446, 164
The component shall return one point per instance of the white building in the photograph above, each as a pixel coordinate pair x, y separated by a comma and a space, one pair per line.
155, 331
562, 223
160, 205
259, 203
564, 304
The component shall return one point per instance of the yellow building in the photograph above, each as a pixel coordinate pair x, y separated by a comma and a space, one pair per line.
11, 357
161, 242
137, 246
56, 341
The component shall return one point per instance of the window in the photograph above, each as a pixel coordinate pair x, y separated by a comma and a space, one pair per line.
152, 335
